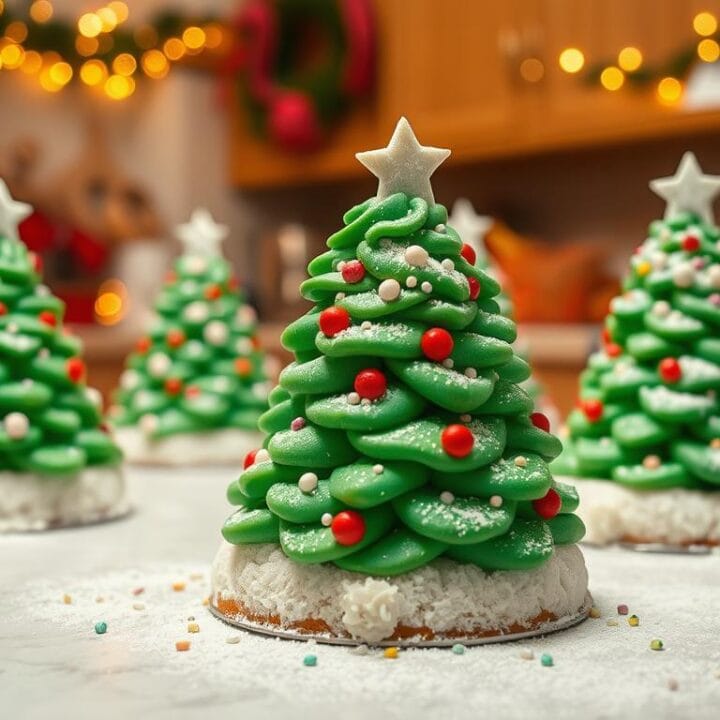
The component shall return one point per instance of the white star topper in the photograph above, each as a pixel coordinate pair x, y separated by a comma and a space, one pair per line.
12, 213
688, 190
404, 165
201, 236
471, 227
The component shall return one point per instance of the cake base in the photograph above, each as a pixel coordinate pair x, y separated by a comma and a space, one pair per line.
676, 520
214, 447
31, 502
257, 588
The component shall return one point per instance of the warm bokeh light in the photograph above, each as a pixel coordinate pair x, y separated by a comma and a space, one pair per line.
90, 25
86, 46
12, 56
612, 78
214, 35
571, 60
705, 23
174, 48
93, 72
193, 37
669, 90
110, 302
532, 70
708, 50
107, 18
60, 73
32, 62
16, 31
630, 59
47, 80
124, 64
119, 87
41, 11
120, 9
154, 64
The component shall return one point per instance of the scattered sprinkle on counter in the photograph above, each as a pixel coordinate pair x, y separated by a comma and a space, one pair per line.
622, 610
99, 599
193, 627
206, 600
612, 622
458, 649
527, 654
182, 645
101, 628
138, 591
595, 613
546, 660
657, 644
310, 660
232, 639
178, 586
67, 599
138, 606
672, 684
391, 653
633, 621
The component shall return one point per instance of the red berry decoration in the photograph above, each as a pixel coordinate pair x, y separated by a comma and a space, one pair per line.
606, 336
173, 386
353, 271
250, 458
170, 277
613, 350
457, 440
540, 420
593, 409
213, 292
37, 262
143, 344
670, 370
549, 506
3, 308
333, 320
75, 369
192, 391
48, 318
437, 344
348, 527
175, 338
474, 285
243, 367
691, 243
468, 252
370, 383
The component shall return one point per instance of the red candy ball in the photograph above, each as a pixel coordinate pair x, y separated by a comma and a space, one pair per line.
613, 349
540, 420
353, 271
606, 336
175, 338
474, 285
670, 370
468, 252
250, 458
370, 383
333, 320
691, 243
348, 527
143, 344
75, 369
457, 440
37, 262
3, 308
549, 506
593, 409
437, 344
213, 292
173, 386
48, 318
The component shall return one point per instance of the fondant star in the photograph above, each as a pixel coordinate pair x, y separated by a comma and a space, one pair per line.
404, 165
470, 226
12, 212
688, 190
202, 235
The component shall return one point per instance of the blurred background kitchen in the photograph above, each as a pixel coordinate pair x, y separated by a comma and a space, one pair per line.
117, 119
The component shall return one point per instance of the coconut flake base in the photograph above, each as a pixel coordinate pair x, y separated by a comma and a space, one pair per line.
29, 501
258, 588
214, 447
675, 519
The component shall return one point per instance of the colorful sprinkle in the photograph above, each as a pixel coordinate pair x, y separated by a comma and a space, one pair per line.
672, 684
232, 639
391, 653
310, 660
595, 613
182, 645
138, 591
67, 599
546, 660
656, 645
612, 623
458, 649
633, 621
101, 628
138, 606
527, 654
178, 586
193, 627
622, 610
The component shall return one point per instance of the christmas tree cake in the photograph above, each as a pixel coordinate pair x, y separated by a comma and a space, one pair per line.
644, 440
194, 387
58, 465
403, 489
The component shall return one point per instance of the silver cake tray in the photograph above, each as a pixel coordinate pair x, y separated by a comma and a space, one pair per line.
544, 629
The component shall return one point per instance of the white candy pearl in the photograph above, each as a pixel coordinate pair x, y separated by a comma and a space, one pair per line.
440, 227
661, 308
426, 287
130, 379
448, 264
216, 332
326, 519
521, 461
196, 311
389, 290
466, 418
243, 346
308, 482
196, 264
448, 363
353, 398
411, 281
416, 256
149, 423
16, 425
94, 396
365, 325
714, 276
496, 501
471, 373
378, 469
683, 275
262, 455
158, 364
447, 497
246, 315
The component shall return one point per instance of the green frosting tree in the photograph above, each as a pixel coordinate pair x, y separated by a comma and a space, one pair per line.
400, 433
200, 367
51, 422
648, 415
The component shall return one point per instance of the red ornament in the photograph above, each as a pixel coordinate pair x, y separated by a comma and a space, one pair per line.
48, 318
192, 391
370, 383
474, 285
457, 440
37, 262
243, 367
437, 344
670, 370
255, 341
3, 308
170, 277
593, 409
143, 345
348, 527
293, 121
250, 458
173, 386
333, 320
613, 349
549, 506
213, 292
353, 271
468, 252
540, 420
606, 336
175, 338
75, 369
691, 243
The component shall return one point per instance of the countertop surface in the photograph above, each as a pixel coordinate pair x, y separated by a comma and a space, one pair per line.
146, 575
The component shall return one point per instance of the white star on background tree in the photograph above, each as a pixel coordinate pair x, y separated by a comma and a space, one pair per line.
12, 213
688, 190
470, 226
201, 236
404, 165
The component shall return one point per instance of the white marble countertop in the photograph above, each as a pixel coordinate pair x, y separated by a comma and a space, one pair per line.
53, 664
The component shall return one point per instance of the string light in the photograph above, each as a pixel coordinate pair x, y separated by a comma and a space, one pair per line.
214, 36
193, 38
120, 9
12, 56
705, 24
154, 64
708, 50
630, 59
41, 11
119, 87
124, 64
532, 70
110, 302
108, 19
174, 48
93, 72
90, 25
16, 31
571, 60
612, 78
669, 90
60, 73
32, 62
86, 46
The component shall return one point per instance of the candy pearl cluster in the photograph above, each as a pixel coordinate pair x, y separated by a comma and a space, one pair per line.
16, 425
